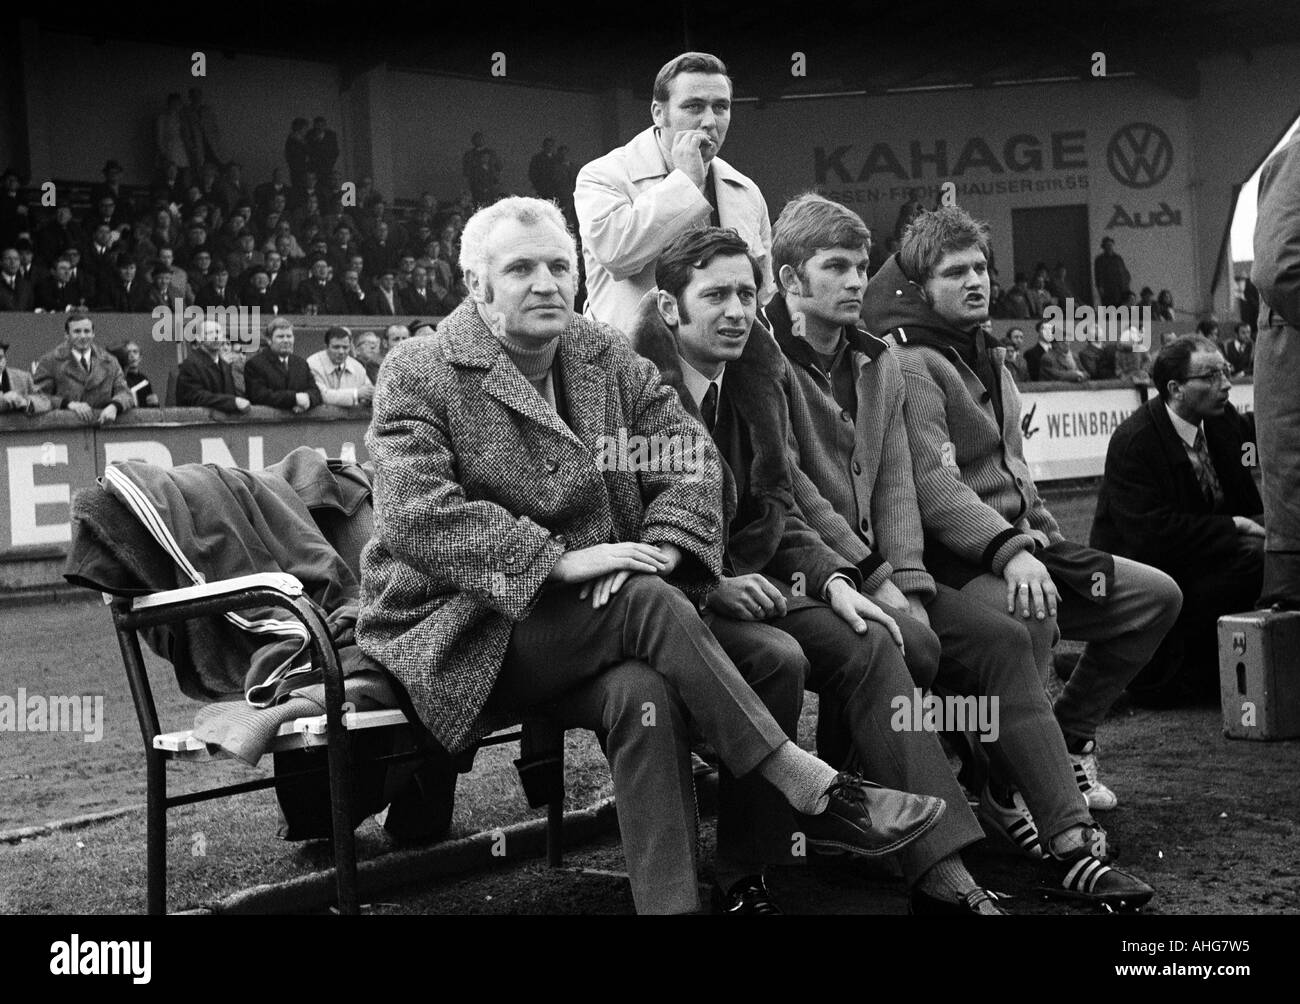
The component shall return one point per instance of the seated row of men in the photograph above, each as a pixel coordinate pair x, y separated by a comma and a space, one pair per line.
99, 385
836, 513
121, 285
1055, 359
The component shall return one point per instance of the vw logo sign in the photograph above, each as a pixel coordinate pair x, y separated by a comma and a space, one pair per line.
1139, 155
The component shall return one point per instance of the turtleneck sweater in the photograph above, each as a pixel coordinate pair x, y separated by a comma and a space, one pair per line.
534, 360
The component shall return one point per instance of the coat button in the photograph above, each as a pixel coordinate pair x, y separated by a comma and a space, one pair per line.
551, 466
562, 540
846, 416
865, 524
857, 467
511, 557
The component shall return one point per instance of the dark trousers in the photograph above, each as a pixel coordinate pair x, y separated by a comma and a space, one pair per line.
565, 645
1186, 666
984, 656
755, 823
980, 652
857, 677
1122, 635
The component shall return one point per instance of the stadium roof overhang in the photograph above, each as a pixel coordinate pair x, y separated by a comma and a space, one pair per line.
860, 48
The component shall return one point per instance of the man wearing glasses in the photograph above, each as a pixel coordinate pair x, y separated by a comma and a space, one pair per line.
1178, 494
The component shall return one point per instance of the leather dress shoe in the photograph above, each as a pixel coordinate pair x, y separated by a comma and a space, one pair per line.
748, 896
922, 904
865, 819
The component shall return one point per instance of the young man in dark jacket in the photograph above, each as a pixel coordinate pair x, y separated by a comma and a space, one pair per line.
987, 530
853, 479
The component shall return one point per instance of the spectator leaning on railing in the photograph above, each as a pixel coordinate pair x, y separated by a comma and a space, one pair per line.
278, 378
18, 391
205, 379
81, 377
342, 380
1059, 363
366, 348
128, 357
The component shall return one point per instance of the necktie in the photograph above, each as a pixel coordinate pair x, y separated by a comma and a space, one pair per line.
85, 363
1206, 475
709, 407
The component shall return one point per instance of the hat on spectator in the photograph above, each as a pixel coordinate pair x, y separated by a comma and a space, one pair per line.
23, 244
219, 267
256, 270
111, 166
386, 270
160, 270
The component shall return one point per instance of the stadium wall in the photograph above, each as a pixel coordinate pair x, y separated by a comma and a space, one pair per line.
89, 101
44, 461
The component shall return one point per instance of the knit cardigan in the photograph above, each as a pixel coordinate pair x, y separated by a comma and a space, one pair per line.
976, 495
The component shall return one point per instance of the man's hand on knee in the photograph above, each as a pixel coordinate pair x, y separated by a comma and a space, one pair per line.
1030, 585
855, 610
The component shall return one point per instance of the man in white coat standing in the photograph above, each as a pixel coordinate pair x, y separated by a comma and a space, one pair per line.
635, 200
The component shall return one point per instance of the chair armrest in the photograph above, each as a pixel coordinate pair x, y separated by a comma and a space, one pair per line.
280, 582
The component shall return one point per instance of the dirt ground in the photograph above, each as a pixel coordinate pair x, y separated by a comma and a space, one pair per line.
1212, 823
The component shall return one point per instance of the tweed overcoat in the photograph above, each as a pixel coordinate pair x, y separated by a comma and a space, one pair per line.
480, 487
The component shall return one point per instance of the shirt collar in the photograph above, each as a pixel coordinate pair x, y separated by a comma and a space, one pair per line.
1186, 431
697, 384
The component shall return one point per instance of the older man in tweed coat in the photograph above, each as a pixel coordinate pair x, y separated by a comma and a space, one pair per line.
495, 523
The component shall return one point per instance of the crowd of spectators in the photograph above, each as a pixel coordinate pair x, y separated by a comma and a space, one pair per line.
298, 242
80, 376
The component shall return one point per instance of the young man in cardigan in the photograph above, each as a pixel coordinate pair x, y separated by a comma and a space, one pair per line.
987, 530
853, 479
